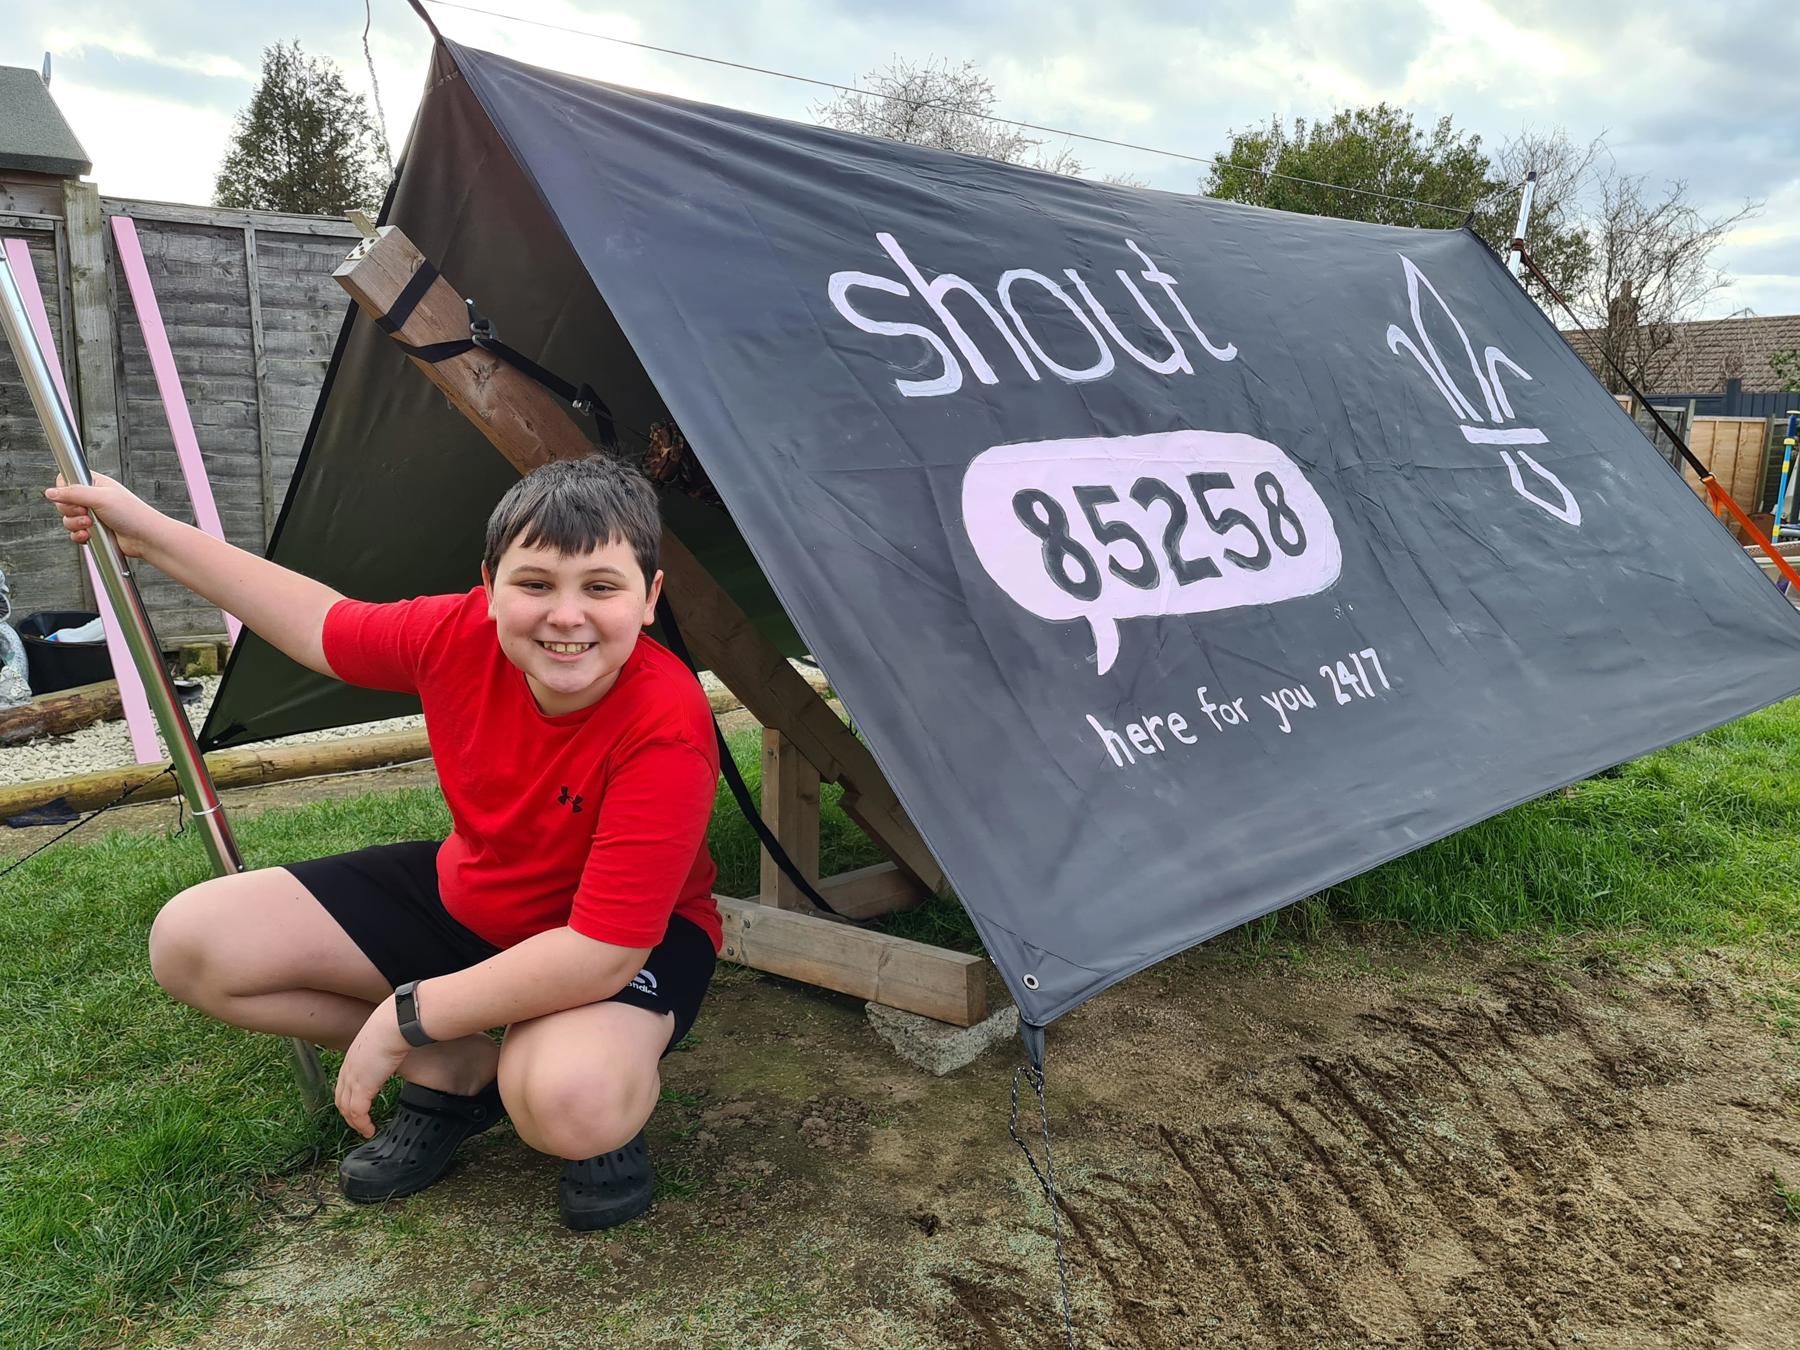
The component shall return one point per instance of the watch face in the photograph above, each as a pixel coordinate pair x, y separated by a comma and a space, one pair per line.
406, 1011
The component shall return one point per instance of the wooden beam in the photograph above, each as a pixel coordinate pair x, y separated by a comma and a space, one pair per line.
790, 808
724, 701
530, 427
870, 892
221, 217
522, 420
723, 640
39, 195
949, 986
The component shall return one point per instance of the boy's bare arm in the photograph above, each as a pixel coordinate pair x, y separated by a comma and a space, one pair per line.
285, 609
547, 973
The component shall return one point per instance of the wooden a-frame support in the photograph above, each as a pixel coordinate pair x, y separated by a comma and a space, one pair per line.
805, 743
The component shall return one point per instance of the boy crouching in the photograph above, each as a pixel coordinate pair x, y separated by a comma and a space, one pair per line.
571, 904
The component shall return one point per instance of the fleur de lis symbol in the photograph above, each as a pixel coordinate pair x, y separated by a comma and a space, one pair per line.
1485, 372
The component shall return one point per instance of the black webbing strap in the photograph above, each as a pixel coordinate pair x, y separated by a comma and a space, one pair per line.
401, 310
583, 399
481, 334
1693, 460
408, 300
735, 780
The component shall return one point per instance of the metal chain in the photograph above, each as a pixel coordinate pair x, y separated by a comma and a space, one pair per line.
1046, 1178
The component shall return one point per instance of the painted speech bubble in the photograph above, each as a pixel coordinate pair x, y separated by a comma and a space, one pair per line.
1177, 522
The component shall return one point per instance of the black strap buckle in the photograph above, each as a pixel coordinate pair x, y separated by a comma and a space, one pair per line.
481, 328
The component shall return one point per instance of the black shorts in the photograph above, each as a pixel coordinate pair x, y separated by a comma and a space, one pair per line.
386, 899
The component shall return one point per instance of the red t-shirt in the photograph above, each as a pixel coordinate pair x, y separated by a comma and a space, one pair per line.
594, 819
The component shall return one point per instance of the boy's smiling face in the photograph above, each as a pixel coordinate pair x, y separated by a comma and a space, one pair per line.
569, 621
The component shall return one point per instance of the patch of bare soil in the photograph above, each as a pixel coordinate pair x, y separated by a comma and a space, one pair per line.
1377, 1145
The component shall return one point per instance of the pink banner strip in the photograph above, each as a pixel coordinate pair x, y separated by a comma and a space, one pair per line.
168, 383
138, 718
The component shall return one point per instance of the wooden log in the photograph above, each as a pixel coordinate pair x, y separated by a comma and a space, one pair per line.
229, 769
790, 807
117, 780
58, 713
950, 986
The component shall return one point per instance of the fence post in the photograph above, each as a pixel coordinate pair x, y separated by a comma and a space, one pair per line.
90, 296
260, 358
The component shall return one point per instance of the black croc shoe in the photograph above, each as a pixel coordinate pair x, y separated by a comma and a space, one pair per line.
418, 1143
606, 1191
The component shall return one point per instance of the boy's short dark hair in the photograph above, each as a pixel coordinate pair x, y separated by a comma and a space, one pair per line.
576, 506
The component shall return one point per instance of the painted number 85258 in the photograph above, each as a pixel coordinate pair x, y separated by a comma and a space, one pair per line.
1249, 546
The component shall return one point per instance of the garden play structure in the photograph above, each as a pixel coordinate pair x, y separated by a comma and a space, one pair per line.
1158, 546
1176, 559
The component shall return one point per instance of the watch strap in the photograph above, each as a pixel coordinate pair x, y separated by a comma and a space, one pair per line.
406, 1008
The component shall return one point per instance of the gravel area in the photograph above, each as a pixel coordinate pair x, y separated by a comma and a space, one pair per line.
107, 745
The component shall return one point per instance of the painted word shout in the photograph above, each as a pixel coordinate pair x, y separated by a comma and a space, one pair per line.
1024, 345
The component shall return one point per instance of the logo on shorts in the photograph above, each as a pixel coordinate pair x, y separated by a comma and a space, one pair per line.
573, 803
644, 982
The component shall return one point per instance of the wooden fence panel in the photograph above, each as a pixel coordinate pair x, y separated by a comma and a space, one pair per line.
198, 273
1736, 450
42, 567
252, 314
302, 309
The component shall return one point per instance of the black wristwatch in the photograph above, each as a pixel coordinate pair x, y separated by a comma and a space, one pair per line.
406, 1008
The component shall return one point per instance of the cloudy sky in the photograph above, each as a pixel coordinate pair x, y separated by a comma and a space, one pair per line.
1681, 92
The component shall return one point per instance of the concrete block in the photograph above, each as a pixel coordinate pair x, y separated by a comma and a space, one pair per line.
199, 659
938, 1047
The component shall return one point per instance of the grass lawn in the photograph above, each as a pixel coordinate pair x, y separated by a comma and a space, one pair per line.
134, 1133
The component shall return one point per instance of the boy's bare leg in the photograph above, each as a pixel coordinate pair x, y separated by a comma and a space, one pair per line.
256, 950
583, 1081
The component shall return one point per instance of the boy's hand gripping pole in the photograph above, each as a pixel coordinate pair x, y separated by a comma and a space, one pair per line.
109, 564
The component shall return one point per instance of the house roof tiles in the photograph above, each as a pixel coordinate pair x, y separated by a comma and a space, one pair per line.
1708, 352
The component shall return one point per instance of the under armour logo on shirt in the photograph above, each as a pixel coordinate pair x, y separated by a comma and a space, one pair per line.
573, 803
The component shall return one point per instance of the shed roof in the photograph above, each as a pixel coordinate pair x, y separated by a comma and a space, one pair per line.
1708, 352
34, 135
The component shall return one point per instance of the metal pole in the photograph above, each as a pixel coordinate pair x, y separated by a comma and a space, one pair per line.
1518, 239
190, 768
1787, 476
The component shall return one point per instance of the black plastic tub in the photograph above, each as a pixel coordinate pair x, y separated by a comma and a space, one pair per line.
61, 665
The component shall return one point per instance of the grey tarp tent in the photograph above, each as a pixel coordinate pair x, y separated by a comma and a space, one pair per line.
1176, 558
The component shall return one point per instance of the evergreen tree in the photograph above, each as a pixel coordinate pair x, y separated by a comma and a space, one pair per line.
304, 143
